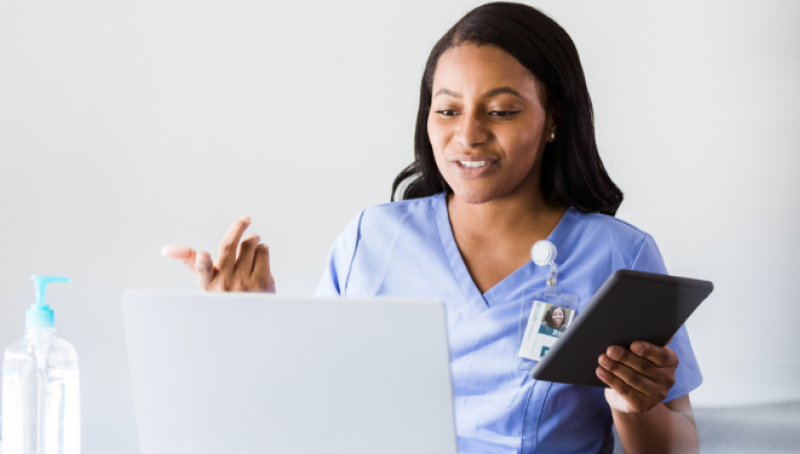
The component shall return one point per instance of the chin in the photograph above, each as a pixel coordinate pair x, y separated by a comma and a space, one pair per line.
472, 196
477, 193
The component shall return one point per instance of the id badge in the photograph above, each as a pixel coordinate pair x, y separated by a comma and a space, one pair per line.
544, 317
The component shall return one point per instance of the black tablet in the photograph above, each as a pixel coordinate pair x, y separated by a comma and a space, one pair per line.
629, 306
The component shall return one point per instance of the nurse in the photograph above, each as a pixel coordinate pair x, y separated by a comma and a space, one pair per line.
505, 155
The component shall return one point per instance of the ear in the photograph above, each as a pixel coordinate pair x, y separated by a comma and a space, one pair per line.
550, 126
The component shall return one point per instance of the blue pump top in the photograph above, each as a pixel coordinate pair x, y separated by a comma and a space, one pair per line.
39, 315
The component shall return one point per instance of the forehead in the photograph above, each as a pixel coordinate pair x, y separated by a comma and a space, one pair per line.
472, 70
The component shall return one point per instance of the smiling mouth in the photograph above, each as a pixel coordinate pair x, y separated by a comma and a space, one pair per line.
474, 167
473, 164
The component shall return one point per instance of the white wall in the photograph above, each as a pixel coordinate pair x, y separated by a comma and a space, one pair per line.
128, 125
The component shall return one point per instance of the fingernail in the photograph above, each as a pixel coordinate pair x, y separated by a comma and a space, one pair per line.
601, 372
614, 353
639, 347
245, 219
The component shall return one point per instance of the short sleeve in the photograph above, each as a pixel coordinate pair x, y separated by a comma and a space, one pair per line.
340, 260
687, 376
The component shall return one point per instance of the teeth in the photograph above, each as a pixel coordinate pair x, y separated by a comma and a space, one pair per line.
472, 163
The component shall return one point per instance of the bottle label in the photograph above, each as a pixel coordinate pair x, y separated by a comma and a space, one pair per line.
12, 435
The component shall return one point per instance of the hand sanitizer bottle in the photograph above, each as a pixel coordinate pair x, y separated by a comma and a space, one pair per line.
41, 391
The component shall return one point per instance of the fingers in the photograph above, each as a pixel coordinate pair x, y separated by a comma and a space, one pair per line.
659, 366
182, 253
229, 244
633, 378
640, 377
205, 269
199, 262
251, 266
261, 272
632, 399
625, 356
247, 250
660, 356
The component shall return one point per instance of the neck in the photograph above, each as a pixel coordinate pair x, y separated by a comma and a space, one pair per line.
494, 237
523, 212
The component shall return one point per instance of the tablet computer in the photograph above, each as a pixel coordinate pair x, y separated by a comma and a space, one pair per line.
629, 306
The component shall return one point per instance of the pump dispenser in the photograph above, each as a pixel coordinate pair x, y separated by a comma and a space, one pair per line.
40, 315
41, 388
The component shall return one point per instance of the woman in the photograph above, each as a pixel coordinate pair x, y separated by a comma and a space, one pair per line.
554, 318
505, 155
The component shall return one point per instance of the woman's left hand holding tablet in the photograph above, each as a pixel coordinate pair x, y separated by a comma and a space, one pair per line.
640, 378
240, 267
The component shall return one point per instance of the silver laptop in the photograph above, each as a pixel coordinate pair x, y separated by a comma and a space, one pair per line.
243, 373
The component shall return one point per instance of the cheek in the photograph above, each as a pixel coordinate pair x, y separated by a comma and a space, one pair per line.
439, 136
521, 142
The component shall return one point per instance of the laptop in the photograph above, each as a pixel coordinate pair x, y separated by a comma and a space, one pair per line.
252, 373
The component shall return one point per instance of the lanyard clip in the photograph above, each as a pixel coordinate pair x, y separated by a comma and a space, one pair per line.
544, 253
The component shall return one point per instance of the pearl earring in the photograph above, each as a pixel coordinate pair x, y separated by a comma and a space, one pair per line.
552, 135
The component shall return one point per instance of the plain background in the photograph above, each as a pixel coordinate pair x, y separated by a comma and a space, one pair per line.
128, 125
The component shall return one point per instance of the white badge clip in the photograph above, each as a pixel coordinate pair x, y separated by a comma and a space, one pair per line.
544, 314
544, 253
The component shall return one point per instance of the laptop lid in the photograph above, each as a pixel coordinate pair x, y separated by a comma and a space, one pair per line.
223, 372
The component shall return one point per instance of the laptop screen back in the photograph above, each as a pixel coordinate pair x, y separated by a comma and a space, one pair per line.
242, 373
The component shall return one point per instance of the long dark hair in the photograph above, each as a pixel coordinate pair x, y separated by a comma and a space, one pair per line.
572, 171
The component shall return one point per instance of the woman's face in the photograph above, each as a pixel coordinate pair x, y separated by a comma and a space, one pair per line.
487, 124
558, 317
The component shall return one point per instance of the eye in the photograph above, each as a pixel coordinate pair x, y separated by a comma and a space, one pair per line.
447, 113
503, 113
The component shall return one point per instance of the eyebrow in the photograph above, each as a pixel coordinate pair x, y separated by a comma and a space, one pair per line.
488, 94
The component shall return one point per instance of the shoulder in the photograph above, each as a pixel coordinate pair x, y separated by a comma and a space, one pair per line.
393, 213
612, 236
386, 216
396, 234
603, 225
379, 225
383, 222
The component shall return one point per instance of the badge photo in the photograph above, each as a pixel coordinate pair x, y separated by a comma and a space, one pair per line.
544, 318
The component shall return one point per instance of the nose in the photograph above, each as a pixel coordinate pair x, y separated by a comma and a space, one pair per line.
471, 131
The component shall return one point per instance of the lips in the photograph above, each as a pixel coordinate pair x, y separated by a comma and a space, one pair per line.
474, 166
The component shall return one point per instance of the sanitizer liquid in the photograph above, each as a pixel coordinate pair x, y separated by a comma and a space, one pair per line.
41, 387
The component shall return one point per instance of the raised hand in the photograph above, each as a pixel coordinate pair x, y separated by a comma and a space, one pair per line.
640, 378
245, 271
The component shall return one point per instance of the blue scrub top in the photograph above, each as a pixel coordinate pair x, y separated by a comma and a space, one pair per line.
407, 250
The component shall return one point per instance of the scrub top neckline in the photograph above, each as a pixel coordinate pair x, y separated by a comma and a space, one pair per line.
481, 302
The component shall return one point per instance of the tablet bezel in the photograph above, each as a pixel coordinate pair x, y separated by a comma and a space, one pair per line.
629, 306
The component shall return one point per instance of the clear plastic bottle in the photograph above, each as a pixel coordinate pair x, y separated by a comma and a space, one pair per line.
41, 387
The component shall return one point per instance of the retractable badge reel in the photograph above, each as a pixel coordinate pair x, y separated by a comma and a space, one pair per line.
545, 313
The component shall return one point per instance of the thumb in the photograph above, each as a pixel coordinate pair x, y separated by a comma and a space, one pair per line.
182, 253
204, 269
616, 401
